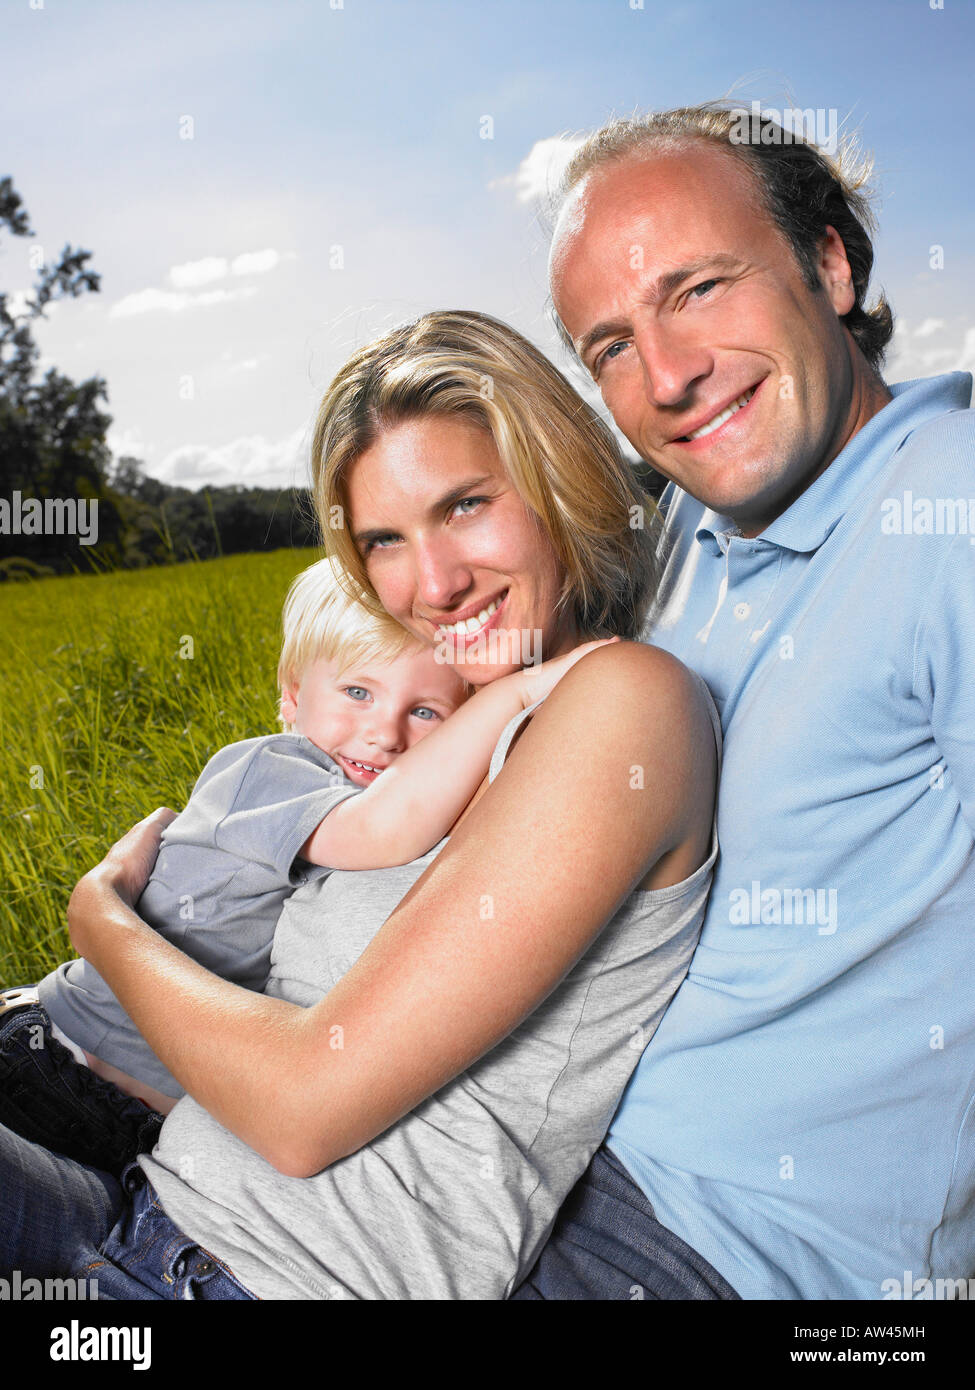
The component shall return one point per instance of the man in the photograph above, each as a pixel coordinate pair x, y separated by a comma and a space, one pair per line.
802, 1125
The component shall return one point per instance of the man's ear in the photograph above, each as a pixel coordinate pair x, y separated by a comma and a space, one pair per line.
835, 272
289, 704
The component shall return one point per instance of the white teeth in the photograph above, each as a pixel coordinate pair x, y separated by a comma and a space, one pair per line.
726, 414
470, 625
365, 766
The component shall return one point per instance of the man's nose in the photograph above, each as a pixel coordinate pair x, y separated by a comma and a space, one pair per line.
672, 363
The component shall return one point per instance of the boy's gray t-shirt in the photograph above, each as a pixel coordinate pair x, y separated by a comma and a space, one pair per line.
455, 1200
226, 864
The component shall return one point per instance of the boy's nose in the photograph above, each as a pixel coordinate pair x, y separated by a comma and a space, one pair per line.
386, 732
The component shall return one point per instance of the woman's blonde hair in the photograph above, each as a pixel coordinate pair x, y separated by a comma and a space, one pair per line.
561, 458
322, 620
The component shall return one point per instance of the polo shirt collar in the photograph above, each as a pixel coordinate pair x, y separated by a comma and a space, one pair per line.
805, 525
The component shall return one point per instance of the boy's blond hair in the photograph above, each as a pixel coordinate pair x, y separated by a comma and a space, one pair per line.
322, 621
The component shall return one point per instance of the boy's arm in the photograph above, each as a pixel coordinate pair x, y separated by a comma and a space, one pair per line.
414, 803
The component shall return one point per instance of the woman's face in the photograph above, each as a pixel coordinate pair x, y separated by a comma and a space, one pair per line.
452, 551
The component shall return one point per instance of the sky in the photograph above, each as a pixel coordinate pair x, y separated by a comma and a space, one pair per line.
265, 185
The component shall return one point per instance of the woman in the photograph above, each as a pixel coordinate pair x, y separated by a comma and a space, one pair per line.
475, 497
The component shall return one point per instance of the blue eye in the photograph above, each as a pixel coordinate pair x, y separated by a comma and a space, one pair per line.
610, 354
425, 712
355, 691
706, 286
476, 501
378, 541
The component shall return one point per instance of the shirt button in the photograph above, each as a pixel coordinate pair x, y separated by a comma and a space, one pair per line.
742, 610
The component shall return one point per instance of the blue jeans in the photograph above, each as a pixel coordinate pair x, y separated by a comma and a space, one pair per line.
608, 1244
61, 1219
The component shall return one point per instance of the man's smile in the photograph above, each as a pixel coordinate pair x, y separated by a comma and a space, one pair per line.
716, 420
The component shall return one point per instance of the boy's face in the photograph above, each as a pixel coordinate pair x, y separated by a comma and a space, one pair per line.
365, 716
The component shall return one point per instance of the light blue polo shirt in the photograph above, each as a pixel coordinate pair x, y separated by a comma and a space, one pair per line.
804, 1116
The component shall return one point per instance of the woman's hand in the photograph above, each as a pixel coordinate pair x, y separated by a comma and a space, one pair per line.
539, 681
125, 870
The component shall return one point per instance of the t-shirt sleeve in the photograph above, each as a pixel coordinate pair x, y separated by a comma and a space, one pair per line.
282, 793
944, 666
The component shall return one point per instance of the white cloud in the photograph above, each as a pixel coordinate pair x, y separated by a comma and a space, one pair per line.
127, 442
538, 175
20, 303
222, 296
174, 301
966, 359
192, 274
251, 461
255, 262
928, 327
909, 360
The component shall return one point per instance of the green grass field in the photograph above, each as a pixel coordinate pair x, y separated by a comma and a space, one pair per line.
116, 690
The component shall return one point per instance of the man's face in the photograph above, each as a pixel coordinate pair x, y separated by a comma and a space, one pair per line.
686, 304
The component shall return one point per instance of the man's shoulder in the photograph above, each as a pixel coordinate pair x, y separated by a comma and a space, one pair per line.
942, 444
953, 431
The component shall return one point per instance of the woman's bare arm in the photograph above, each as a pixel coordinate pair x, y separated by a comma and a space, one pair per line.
522, 887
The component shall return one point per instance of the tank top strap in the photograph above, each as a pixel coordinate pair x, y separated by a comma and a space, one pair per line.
507, 736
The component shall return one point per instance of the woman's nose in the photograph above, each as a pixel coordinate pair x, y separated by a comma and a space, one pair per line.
440, 573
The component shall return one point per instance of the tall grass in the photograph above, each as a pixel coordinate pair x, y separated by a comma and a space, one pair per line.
116, 688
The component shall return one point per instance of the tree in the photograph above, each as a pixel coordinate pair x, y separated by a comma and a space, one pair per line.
52, 429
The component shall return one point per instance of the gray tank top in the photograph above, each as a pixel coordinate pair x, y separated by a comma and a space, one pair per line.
457, 1198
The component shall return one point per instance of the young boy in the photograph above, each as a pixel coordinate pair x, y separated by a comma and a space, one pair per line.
346, 786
